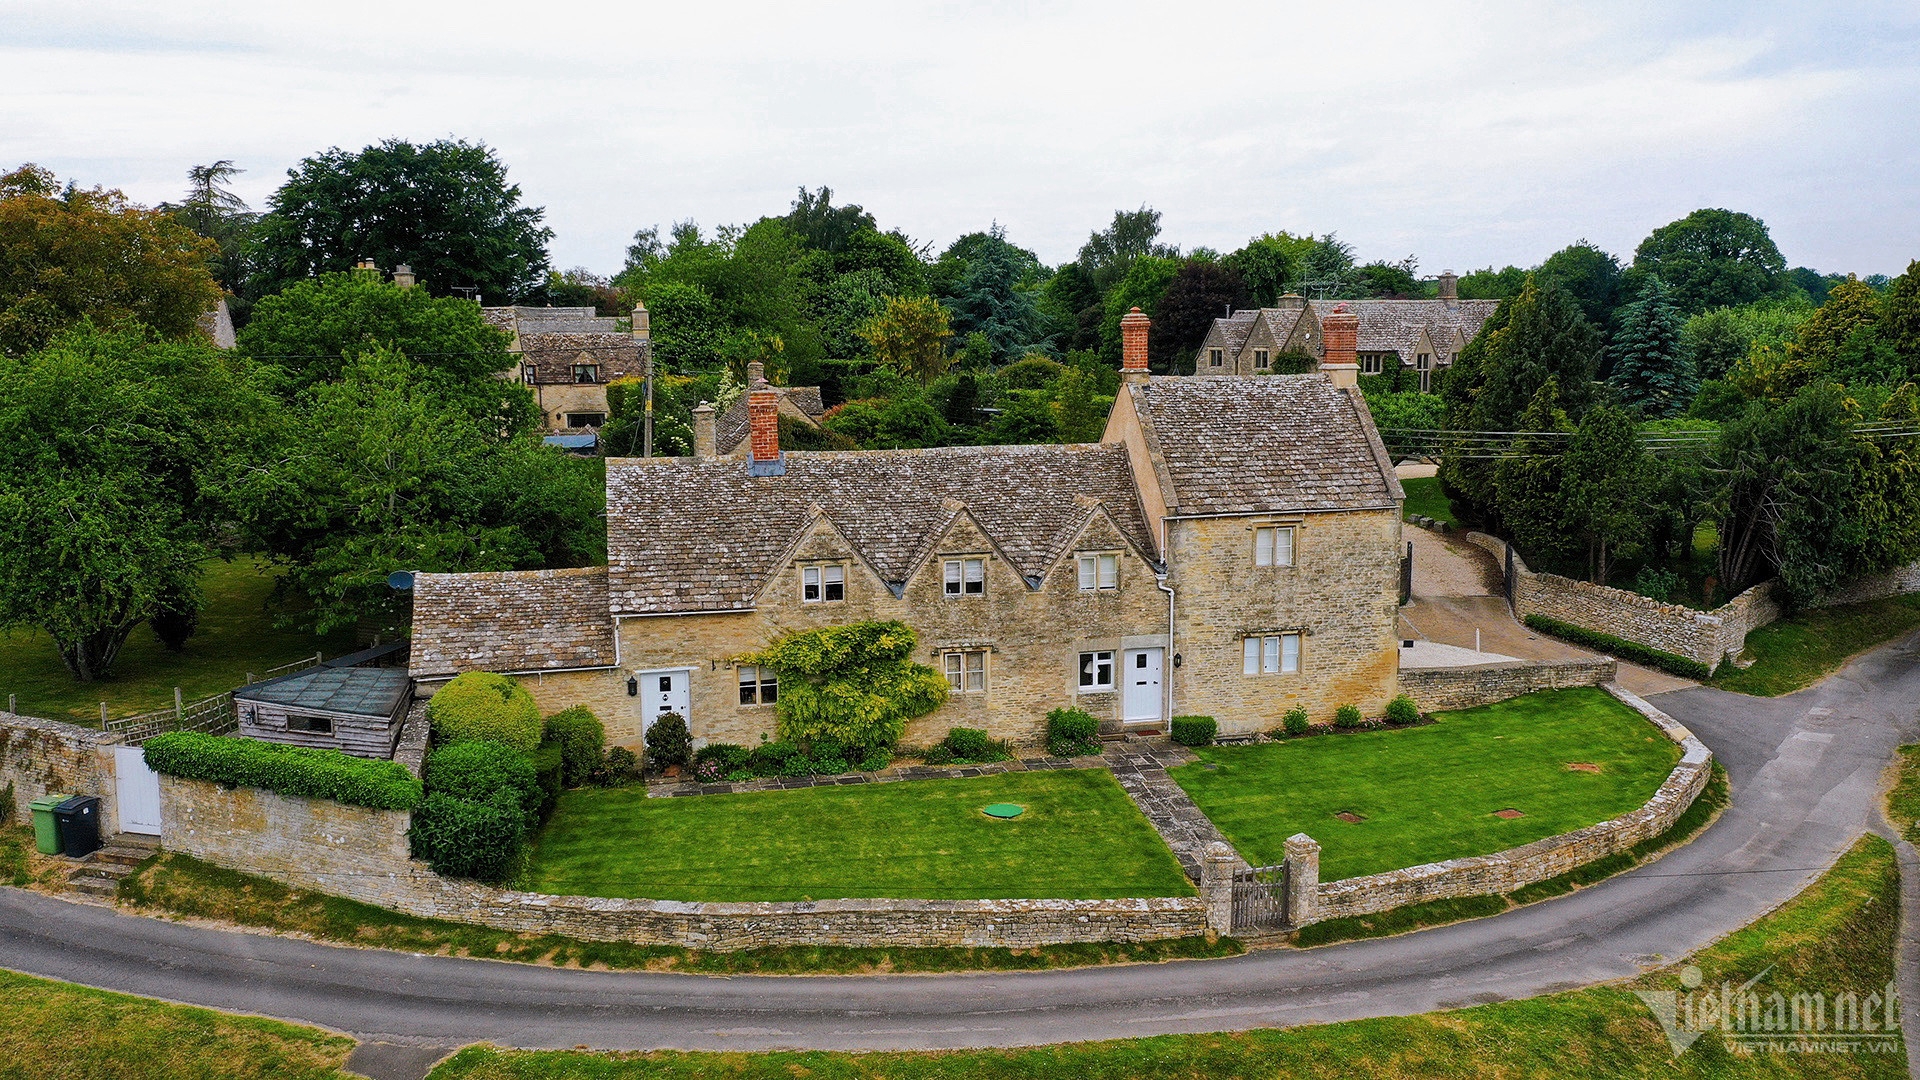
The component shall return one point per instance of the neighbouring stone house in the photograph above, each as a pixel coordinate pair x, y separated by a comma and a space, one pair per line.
717, 434
1422, 336
569, 355
1230, 548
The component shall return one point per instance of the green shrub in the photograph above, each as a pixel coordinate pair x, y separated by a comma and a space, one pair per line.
1402, 710
479, 840
300, 771
484, 706
1072, 732
1656, 583
1347, 716
855, 684
876, 758
1194, 730
549, 769
622, 767
769, 758
476, 771
667, 742
1620, 648
583, 743
725, 754
973, 745
938, 754
1296, 722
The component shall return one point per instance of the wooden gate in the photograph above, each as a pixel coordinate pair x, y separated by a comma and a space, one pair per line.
1260, 898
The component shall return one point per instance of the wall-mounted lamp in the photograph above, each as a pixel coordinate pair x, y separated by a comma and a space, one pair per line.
1176, 659
633, 686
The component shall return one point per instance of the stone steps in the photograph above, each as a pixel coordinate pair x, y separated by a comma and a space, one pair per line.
100, 873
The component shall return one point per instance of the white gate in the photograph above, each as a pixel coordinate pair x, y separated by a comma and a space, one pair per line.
137, 791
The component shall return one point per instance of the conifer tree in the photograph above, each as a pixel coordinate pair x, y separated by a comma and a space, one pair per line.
1652, 373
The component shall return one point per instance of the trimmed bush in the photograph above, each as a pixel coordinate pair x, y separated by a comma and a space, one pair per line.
479, 840
1193, 730
477, 771
1621, 649
667, 742
487, 707
1072, 732
1347, 716
725, 754
583, 743
877, 758
1402, 710
973, 745
1296, 722
769, 758
548, 769
938, 754
622, 767
299, 771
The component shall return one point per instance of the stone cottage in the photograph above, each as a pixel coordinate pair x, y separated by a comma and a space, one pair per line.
567, 357
1422, 336
1230, 548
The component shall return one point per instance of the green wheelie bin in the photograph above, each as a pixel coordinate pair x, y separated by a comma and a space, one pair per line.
46, 831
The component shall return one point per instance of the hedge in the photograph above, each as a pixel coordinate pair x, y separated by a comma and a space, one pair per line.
582, 740
1194, 730
1621, 649
298, 771
488, 707
480, 840
476, 771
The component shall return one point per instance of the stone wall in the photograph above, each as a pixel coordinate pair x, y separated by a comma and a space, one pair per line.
39, 757
1436, 689
1905, 579
1506, 871
361, 854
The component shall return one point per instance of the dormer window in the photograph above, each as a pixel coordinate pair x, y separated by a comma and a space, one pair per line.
586, 373
966, 577
823, 584
1099, 572
1214, 357
1260, 359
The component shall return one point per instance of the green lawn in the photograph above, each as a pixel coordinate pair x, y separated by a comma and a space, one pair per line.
1800, 651
1903, 802
1080, 837
236, 636
1430, 793
1837, 936
1424, 497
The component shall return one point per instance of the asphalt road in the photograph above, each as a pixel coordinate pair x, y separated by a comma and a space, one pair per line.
1805, 771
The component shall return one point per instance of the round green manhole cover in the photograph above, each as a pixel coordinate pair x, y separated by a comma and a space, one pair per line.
1004, 810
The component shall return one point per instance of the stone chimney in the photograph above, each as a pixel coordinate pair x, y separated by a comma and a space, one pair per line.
403, 276
1340, 339
763, 425
1449, 289
1133, 346
1291, 302
642, 323
705, 443
366, 266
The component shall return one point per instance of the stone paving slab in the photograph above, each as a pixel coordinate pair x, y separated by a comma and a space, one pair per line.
1141, 769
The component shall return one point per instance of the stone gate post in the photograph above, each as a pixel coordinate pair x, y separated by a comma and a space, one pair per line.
1216, 886
1303, 878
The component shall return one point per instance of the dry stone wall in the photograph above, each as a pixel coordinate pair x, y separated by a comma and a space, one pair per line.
40, 757
1437, 689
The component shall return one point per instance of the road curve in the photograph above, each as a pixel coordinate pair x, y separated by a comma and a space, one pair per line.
1805, 771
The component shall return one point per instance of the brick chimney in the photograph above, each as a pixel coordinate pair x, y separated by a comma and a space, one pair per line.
1340, 339
642, 326
763, 426
403, 276
1133, 346
705, 442
1449, 289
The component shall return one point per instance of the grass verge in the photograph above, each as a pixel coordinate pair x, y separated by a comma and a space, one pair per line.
1797, 652
58, 1031
1080, 837
22, 865
1514, 754
1837, 935
1425, 499
182, 887
1713, 798
1903, 802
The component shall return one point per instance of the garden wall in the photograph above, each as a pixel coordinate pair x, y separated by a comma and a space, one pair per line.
39, 757
1435, 689
362, 854
1505, 871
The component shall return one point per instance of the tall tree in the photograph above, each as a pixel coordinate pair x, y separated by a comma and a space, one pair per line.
1607, 484
68, 254
1491, 284
910, 337
1271, 264
1071, 302
1900, 318
1199, 293
1533, 494
445, 208
823, 226
1592, 276
1109, 253
1713, 258
1652, 373
1390, 280
990, 299
212, 209
1147, 279
1545, 336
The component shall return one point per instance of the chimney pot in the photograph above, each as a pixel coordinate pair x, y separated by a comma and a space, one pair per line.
1340, 339
756, 374
705, 441
1133, 346
763, 429
1449, 288
642, 326
403, 276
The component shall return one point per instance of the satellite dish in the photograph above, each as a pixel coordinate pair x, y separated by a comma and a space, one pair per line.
400, 581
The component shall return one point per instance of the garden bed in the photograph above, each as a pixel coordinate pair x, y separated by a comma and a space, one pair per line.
1433, 792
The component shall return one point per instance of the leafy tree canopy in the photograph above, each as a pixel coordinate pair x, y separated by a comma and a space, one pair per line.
1109, 253
1593, 277
910, 336
1146, 280
212, 209
1713, 258
444, 208
68, 254
1390, 280
1491, 284
992, 298
1198, 293
1271, 265
823, 226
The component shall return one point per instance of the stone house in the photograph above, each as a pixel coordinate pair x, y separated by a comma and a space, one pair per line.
724, 434
1421, 336
1230, 548
569, 355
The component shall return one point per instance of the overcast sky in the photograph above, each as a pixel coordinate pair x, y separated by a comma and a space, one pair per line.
1463, 134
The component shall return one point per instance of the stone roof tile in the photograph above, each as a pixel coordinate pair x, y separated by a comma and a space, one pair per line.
520, 620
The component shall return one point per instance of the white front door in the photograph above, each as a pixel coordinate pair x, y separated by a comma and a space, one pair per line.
1141, 672
138, 790
663, 692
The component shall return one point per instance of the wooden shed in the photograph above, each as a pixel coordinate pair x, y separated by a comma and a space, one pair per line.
340, 705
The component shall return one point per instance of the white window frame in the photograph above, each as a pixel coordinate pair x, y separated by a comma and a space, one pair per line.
1214, 357
1275, 545
966, 670
1091, 665
1271, 654
965, 577
1099, 573
761, 684
824, 584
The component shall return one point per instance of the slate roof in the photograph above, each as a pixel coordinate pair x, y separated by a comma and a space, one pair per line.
688, 534
1394, 325
520, 620
1235, 329
362, 691
1234, 445
552, 355
730, 427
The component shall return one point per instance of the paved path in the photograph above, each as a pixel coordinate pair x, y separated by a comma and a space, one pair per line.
1805, 769
1141, 769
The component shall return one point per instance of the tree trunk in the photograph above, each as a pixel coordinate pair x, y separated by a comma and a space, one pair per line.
90, 658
